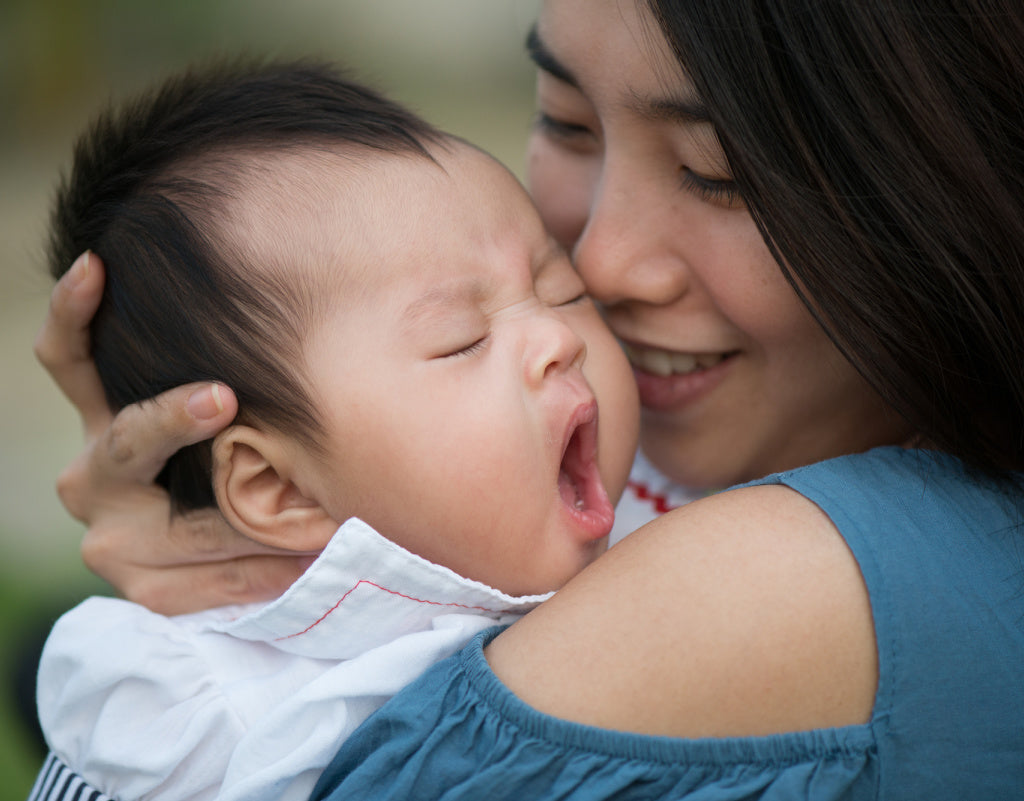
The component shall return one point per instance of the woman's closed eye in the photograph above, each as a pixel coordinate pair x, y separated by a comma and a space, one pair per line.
562, 130
719, 191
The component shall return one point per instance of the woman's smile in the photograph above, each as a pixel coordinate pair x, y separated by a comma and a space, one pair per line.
668, 380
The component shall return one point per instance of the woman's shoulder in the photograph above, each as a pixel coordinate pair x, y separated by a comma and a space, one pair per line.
778, 606
740, 614
458, 732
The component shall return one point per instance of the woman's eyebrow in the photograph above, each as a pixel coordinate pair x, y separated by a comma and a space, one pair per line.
545, 59
683, 110
657, 109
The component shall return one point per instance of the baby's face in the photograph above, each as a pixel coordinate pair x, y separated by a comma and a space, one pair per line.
477, 410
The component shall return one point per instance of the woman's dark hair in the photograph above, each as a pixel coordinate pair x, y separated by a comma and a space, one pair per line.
879, 145
150, 185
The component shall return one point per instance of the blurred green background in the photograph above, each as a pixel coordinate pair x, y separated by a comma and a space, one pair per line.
458, 62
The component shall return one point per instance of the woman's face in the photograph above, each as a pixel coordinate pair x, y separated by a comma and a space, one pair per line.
736, 379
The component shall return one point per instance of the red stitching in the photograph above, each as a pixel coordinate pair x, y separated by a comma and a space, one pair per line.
385, 589
661, 504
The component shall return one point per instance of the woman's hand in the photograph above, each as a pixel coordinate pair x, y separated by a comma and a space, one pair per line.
171, 564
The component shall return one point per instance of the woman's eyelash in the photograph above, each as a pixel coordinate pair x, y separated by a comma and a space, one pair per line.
558, 128
712, 190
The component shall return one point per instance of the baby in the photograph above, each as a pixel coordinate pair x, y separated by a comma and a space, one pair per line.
426, 396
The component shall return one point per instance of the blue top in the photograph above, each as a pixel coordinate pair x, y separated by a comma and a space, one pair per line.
942, 555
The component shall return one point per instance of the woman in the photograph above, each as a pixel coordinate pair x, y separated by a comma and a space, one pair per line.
804, 220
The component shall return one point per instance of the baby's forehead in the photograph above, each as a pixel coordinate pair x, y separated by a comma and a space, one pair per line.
358, 222
319, 196
302, 206
308, 219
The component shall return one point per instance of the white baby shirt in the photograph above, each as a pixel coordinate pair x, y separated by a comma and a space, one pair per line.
252, 702
647, 496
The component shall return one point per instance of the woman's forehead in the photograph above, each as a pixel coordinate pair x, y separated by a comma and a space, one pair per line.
602, 46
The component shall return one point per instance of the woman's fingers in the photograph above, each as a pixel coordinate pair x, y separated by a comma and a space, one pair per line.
184, 563
117, 467
206, 585
175, 563
62, 345
140, 439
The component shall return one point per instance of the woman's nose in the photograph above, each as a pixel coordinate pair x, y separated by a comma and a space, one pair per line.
625, 251
553, 347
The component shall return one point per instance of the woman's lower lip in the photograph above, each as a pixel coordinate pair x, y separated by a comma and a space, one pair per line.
665, 393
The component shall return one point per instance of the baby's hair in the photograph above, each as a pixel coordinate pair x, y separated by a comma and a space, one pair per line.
147, 191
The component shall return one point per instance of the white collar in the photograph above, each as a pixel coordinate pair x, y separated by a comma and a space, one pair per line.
363, 591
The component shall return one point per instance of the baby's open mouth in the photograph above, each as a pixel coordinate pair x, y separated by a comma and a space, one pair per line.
579, 481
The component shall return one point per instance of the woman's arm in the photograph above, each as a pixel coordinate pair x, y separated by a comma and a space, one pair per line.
171, 564
741, 614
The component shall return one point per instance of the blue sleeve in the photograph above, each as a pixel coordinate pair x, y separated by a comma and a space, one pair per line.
458, 733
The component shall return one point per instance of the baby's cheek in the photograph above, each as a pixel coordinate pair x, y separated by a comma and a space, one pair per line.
611, 378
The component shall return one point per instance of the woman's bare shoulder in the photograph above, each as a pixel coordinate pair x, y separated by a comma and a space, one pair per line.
741, 614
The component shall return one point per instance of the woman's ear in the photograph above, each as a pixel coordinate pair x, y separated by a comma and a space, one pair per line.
252, 479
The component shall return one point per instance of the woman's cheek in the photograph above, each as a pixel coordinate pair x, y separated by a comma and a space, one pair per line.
561, 186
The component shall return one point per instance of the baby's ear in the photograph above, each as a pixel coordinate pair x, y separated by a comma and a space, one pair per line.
256, 494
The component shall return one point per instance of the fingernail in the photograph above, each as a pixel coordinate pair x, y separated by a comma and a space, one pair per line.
205, 403
80, 269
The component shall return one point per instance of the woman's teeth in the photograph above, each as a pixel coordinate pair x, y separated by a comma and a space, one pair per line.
666, 363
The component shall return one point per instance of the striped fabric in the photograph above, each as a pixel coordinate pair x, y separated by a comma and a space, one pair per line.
57, 782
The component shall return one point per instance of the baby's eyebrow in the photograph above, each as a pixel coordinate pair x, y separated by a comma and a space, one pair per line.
435, 305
